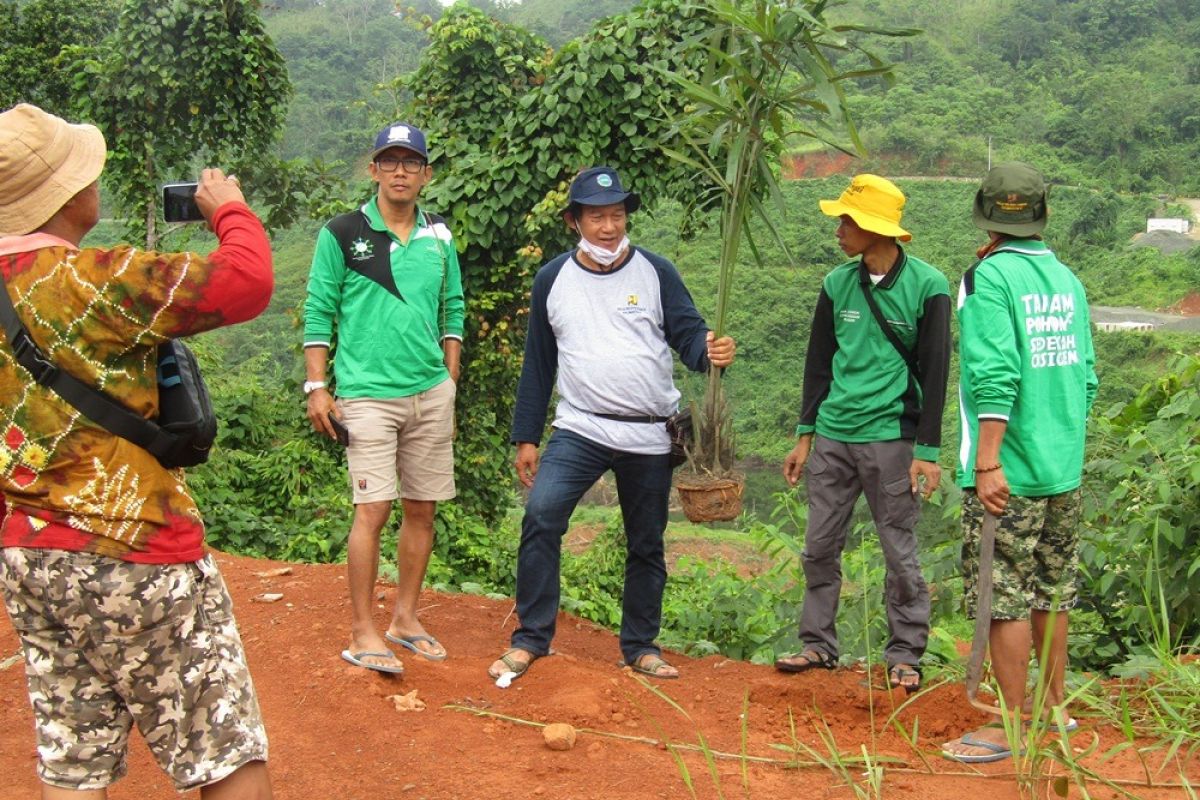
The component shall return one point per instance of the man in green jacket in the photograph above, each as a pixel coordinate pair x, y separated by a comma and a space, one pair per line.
387, 276
871, 421
1027, 384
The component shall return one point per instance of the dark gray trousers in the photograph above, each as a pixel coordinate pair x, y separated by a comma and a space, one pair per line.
838, 473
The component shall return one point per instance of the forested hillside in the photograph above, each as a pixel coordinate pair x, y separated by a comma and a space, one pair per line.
1100, 94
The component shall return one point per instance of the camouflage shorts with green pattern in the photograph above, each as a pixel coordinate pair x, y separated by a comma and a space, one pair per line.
108, 643
1036, 560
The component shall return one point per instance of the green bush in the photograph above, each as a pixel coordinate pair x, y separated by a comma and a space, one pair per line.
1142, 518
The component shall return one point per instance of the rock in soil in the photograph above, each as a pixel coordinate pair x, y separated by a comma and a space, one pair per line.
559, 736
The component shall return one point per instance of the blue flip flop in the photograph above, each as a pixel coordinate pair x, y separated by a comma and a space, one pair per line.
357, 660
997, 752
1053, 726
410, 642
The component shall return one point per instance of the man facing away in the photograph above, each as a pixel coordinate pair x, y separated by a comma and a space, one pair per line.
603, 320
122, 616
387, 277
871, 422
1027, 384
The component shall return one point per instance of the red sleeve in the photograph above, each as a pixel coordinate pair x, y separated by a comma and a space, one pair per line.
240, 284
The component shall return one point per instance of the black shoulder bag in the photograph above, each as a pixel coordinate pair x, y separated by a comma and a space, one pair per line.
181, 436
909, 358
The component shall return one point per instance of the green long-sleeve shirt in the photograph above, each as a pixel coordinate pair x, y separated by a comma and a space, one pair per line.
857, 387
1026, 358
392, 303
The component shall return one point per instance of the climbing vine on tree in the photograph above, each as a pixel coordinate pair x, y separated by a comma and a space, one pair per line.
181, 85
510, 122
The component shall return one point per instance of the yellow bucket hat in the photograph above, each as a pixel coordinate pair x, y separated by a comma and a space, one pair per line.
874, 203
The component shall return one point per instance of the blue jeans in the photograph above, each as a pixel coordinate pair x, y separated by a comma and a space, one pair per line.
569, 466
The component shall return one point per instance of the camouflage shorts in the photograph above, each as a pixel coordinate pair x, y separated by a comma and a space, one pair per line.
109, 643
1036, 560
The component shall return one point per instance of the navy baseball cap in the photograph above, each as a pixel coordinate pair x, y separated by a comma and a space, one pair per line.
401, 134
601, 186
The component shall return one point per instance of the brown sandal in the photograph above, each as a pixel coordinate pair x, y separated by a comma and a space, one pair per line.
651, 666
898, 673
516, 666
813, 659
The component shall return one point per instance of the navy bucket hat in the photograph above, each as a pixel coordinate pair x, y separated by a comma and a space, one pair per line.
601, 186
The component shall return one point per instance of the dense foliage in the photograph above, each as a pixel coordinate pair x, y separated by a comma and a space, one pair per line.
1100, 92
42, 43
1142, 555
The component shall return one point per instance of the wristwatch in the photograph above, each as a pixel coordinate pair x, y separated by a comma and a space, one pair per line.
312, 386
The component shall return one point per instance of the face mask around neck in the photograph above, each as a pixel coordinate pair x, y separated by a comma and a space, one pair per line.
605, 258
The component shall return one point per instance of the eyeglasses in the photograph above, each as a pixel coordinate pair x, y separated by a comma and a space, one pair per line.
411, 165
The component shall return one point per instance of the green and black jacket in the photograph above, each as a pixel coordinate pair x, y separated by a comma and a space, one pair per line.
857, 387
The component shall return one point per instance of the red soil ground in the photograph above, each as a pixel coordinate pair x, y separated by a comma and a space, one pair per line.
1189, 306
335, 734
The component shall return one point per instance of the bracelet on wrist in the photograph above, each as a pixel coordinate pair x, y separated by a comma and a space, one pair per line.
992, 468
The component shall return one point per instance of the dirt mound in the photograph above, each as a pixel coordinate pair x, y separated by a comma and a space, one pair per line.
337, 731
1189, 306
1166, 242
820, 164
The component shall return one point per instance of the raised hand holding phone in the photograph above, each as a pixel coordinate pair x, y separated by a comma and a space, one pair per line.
196, 202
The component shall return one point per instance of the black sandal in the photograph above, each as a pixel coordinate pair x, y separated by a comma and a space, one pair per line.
813, 659
898, 673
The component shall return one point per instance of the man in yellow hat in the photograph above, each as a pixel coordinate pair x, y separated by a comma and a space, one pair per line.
123, 617
871, 421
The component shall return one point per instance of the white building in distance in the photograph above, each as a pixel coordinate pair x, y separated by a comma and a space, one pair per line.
1168, 224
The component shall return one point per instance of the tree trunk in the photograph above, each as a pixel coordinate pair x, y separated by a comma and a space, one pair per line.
151, 205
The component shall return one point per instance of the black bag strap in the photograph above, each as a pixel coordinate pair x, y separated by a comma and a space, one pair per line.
905, 353
93, 403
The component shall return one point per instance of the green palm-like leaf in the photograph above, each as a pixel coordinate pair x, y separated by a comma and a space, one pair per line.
767, 80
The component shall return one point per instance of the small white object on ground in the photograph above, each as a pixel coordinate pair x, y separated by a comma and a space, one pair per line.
505, 680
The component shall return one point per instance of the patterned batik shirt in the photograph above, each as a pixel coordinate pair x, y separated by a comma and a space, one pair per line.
100, 314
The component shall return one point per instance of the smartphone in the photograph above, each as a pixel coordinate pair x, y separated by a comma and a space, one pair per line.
339, 431
179, 203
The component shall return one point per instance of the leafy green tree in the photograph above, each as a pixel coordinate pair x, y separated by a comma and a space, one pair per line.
179, 84
510, 122
41, 43
556, 21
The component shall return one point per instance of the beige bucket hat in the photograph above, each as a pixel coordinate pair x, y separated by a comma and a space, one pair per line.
44, 162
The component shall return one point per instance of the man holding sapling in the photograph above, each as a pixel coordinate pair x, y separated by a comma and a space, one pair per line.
1027, 384
870, 422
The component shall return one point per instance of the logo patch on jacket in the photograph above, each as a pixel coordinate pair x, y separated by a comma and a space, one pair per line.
361, 250
849, 315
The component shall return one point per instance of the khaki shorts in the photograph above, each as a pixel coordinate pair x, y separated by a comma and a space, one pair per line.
1036, 561
406, 440
108, 643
